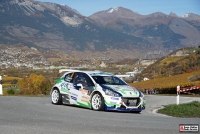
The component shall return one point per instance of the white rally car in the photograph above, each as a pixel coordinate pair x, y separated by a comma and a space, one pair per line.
96, 90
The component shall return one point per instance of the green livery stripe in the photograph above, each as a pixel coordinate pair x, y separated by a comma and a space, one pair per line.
84, 105
144, 104
59, 80
122, 91
89, 104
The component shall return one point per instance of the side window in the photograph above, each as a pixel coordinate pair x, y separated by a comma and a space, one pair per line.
117, 81
83, 79
68, 77
76, 79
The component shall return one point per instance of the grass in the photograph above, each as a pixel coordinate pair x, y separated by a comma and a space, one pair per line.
191, 110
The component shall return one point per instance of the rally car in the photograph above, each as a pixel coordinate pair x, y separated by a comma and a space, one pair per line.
96, 90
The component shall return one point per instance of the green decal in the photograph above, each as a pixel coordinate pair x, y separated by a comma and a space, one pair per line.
144, 104
89, 105
84, 105
136, 92
59, 80
64, 90
122, 91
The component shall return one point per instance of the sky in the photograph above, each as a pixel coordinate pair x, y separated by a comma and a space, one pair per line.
143, 7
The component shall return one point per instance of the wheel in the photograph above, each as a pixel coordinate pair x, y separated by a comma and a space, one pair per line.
56, 97
97, 102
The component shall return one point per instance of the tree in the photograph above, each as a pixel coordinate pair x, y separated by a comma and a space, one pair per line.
34, 84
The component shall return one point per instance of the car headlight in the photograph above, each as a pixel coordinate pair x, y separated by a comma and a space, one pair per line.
141, 94
111, 93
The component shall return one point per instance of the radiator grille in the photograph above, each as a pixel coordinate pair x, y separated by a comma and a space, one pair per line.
131, 101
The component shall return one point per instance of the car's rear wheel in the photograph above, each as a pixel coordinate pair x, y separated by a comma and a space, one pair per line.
56, 97
97, 102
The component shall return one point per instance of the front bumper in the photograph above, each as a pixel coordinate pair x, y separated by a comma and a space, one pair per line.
124, 104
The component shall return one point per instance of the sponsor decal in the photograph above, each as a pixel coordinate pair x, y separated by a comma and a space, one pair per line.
189, 128
85, 98
64, 85
84, 91
73, 94
114, 98
73, 98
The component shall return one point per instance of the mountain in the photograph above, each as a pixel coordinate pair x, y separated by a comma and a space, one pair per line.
50, 26
72, 9
161, 30
114, 33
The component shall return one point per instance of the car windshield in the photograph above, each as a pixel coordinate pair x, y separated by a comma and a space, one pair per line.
109, 80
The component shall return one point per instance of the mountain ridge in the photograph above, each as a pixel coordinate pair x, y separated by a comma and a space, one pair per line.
50, 26
169, 31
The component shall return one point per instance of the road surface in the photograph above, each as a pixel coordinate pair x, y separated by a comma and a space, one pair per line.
36, 115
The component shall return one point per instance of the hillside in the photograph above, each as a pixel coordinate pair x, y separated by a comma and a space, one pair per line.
115, 33
169, 84
182, 61
49, 26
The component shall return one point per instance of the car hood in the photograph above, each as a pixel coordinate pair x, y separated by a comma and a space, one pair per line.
124, 90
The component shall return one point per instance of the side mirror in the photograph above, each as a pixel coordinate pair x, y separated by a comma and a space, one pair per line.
80, 85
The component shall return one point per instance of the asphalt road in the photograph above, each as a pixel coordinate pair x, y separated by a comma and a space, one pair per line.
36, 115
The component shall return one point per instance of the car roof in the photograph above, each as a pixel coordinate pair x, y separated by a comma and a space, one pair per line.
91, 73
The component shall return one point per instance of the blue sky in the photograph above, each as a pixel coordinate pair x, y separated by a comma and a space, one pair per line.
144, 7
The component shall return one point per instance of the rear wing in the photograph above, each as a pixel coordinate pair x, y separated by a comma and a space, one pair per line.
68, 70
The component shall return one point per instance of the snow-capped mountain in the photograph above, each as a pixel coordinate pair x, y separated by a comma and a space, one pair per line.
113, 9
166, 31
186, 15
50, 26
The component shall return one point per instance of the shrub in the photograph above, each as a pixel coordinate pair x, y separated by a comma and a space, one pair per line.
11, 91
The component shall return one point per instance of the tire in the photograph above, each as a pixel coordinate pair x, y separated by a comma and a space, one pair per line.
97, 102
56, 97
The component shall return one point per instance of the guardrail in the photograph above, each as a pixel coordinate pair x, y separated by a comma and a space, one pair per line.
186, 90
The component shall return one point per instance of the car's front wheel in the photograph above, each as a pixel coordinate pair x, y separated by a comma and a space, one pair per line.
56, 97
97, 102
